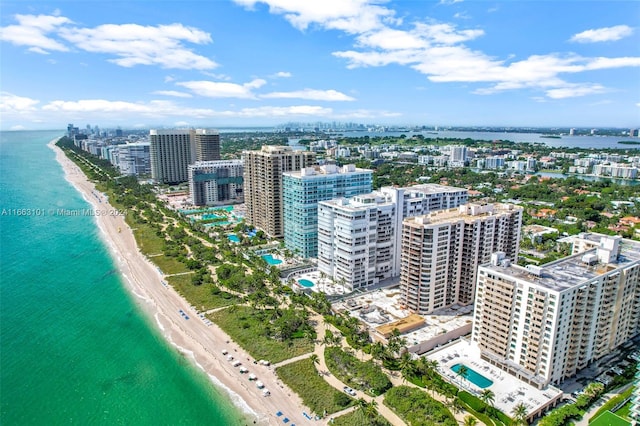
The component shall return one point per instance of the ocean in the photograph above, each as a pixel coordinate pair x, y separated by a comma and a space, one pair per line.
74, 346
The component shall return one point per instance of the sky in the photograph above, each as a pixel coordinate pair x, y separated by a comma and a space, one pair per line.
250, 63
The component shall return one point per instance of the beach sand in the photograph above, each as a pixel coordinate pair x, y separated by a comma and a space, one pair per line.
200, 342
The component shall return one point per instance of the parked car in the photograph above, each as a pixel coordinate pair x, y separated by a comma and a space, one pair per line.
349, 391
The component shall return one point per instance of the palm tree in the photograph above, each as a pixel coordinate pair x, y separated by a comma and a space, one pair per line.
309, 335
470, 421
362, 405
407, 366
314, 359
372, 409
487, 396
462, 372
520, 414
377, 350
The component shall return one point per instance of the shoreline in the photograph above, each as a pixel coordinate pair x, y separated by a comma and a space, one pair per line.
202, 344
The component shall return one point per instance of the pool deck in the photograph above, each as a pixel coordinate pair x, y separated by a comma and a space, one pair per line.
508, 390
323, 285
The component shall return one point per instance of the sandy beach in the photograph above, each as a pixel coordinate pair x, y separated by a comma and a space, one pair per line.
200, 342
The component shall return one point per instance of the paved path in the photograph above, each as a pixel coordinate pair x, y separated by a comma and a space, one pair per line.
180, 273
395, 378
333, 381
294, 359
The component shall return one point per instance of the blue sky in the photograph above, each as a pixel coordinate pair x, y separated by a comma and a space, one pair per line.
256, 63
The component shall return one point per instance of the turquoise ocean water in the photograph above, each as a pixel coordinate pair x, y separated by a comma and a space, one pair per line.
74, 348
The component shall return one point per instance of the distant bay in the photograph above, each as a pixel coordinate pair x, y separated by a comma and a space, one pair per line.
584, 142
75, 347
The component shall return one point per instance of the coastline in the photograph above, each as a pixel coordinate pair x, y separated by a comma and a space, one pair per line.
201, 343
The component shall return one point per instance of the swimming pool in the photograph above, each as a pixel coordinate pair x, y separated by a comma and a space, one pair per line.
306, 283
233, 238
271, 260
473, 376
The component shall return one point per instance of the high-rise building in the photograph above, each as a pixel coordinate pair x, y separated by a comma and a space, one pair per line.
207, 144
458, 155
359, 239
441, 252
543, 324
171, 153
263, 184
303, 189
133, 159
216, 182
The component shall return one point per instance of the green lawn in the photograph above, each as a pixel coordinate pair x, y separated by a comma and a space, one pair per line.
302, 377
624, 410
609, 419
200, 296
169, 265
417, 408
248, 330
365, 376
148, 241
358, 418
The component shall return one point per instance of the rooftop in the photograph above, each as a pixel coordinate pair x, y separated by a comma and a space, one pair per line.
467, 212
572, 271
382, 309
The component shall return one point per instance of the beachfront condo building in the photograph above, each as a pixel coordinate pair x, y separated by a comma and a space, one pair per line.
214, 183
171, 153
543, 324
133, 159
441, 252
303, 189
263, 184
359, 239
207, 144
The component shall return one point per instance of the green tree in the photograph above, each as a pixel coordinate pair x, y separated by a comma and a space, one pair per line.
314, 358
470, 421
487, 396
462, 372
520, 414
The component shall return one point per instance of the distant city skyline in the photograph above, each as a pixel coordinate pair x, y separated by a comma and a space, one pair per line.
252, 63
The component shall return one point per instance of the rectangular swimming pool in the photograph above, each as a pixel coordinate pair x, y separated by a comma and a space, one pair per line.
473, 376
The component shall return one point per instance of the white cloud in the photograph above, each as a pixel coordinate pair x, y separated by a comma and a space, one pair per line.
603, 34
17, 127
216, 89
132, 44
366, 114
273, 111
282, 74
97, 105
32, 31
457, 63
462, 15
181, 123
10, 103
351, 16
311, 94
575, 90
172, 93
222, 77
143, 45
438, 50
